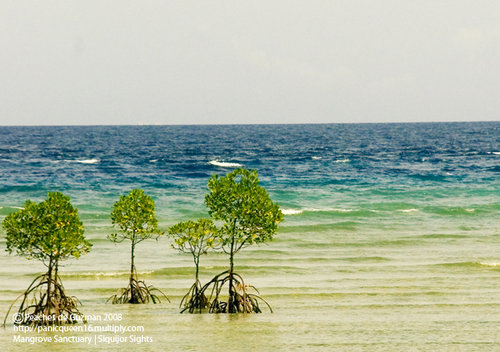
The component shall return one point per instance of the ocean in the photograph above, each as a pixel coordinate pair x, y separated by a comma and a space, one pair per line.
391, 237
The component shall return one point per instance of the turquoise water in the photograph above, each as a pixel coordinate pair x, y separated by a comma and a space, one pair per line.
391, 237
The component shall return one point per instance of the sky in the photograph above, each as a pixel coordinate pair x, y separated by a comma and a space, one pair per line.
110, 62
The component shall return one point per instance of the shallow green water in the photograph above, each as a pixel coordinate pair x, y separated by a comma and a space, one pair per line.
330, 289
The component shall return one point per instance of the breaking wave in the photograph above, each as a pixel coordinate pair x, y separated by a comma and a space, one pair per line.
224, 164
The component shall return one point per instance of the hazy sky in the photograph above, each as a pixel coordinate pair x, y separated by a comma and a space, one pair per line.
182, 62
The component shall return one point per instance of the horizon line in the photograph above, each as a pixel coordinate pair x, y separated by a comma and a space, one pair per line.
250, 124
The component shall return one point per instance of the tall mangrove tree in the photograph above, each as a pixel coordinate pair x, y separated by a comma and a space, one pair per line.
247, 216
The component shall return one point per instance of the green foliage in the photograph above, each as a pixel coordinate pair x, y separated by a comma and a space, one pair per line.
134, 215
49, 230
195, 237
248, 214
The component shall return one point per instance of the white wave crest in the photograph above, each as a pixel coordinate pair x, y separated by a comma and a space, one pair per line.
291, 211
338, 210
224, 164
316, 157
313, 210
490, 264
412, 210
84, 161
496, 153
342, 161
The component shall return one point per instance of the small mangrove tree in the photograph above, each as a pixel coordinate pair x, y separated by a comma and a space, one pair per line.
50, 231
196, 238
134, 216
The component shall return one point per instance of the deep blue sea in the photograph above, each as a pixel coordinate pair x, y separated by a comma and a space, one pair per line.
391, 238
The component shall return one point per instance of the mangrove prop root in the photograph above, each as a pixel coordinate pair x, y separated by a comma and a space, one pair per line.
37, 308
137, 292
194, 300
238, 301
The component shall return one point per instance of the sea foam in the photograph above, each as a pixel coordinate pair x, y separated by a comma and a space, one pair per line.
291, 211
224, 164
85, 161
314, 210
413, 210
